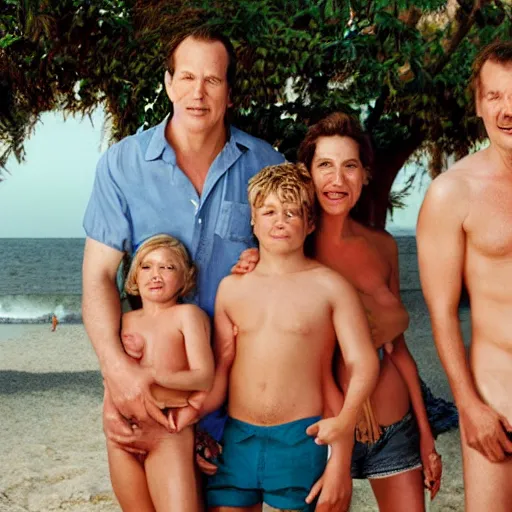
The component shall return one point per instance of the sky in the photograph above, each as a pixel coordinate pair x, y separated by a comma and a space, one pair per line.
46, 195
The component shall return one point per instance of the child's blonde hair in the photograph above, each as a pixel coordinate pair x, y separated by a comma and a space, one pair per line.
185, 265
291, 183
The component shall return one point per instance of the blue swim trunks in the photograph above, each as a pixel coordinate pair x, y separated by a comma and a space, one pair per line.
276, 465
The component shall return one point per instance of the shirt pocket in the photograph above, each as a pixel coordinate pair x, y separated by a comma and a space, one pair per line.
235, 222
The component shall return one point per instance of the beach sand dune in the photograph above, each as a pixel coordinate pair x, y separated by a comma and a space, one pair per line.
53, 454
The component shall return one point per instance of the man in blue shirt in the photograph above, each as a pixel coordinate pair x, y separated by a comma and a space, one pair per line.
186, 177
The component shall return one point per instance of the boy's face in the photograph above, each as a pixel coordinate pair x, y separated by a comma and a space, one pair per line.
280, 227
159, 276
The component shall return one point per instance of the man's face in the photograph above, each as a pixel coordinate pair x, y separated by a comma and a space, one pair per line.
198, 89
280, 228
494, 102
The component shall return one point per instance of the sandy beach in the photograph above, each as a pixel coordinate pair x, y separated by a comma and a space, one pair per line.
53, 455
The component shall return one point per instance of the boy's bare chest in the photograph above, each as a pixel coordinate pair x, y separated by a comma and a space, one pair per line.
298, 307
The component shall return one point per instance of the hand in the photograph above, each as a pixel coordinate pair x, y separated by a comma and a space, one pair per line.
335, 489
328, 431
183, 417
206, 448
197, 398
116, 428
132, 437
129, 389
432, 465
247, 261
483, 429
206, 467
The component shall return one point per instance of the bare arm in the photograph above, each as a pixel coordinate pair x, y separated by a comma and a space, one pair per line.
441, 245
128, 384
333, 397
401, 356
406, 365
360, 361
359, 355
362, 364
224, 348
196, 333
430, 459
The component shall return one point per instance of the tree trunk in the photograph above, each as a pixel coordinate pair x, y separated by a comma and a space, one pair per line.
374, 202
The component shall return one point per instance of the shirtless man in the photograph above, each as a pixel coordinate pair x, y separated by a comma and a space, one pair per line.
465, 233
288, 313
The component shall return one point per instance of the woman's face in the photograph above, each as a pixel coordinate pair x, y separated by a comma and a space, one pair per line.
338, 174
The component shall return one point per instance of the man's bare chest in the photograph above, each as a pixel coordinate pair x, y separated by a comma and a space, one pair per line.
488, 226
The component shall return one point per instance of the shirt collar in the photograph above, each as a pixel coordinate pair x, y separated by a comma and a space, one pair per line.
158, 143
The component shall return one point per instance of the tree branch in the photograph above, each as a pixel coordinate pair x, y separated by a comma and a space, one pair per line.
377, 111
457, 37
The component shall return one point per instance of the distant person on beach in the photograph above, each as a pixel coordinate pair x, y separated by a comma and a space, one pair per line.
55, 322
186, 177
464, 234
171, 342
288, 313
394, 445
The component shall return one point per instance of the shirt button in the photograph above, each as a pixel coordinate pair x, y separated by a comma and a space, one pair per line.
200, 221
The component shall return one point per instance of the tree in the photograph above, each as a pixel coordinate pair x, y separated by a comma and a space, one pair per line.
402, 66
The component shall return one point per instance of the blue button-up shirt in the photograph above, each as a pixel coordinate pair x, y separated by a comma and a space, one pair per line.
140, 191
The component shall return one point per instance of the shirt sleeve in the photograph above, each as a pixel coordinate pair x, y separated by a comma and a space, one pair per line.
106, 218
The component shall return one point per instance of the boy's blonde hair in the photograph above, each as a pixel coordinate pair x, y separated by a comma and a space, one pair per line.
291, 183
185, 265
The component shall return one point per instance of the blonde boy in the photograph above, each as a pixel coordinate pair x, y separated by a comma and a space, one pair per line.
288, 314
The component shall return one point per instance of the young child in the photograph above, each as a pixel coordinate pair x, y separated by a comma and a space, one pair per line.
172, 342
288, 314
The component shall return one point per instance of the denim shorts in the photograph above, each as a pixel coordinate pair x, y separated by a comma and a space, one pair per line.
396, 451
276, 465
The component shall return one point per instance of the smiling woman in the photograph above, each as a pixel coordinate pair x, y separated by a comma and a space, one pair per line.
393, 435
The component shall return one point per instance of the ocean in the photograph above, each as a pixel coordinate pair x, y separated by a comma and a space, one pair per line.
43, 276
40, 277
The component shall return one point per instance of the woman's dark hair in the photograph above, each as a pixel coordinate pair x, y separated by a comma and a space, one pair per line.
337, 123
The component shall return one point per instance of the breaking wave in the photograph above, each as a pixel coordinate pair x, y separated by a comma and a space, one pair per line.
38, 309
